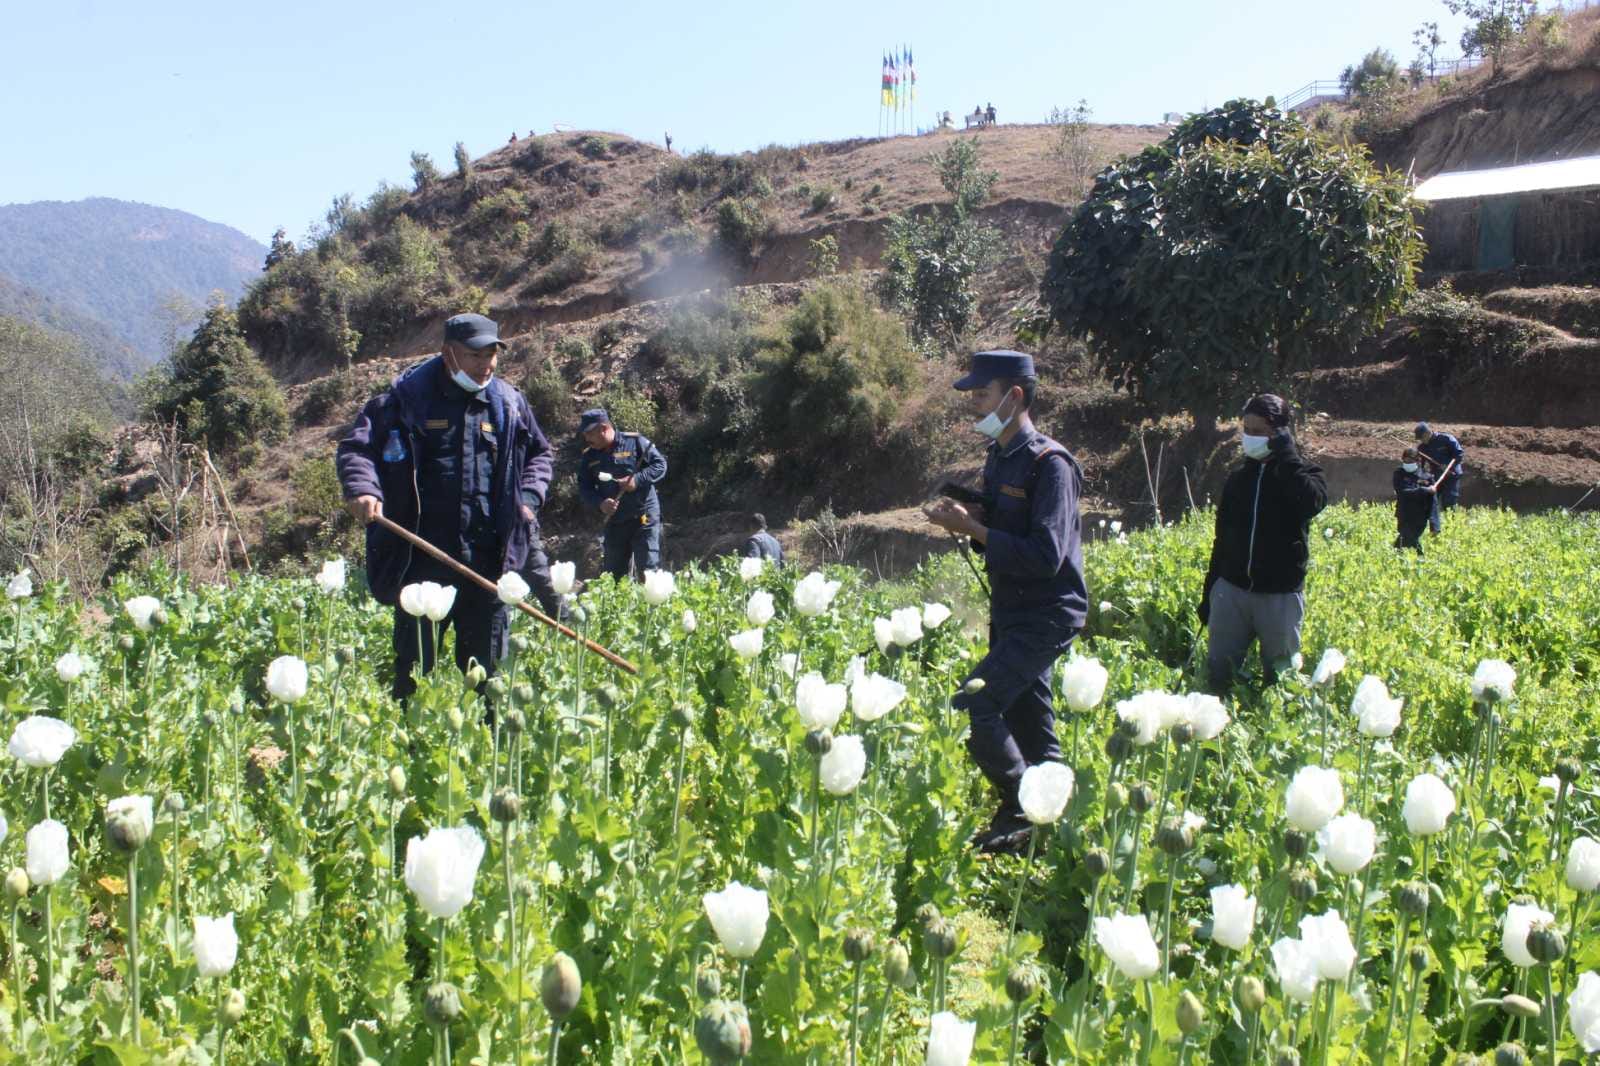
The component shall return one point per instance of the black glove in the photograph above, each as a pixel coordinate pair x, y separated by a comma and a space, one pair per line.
1280, 442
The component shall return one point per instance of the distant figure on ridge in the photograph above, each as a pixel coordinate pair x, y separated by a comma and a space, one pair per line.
761, 545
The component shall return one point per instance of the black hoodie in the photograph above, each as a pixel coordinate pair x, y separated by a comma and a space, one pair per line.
1264, 522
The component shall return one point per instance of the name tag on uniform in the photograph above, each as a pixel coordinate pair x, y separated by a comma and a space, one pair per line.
1012, 490
622, 454
438, 423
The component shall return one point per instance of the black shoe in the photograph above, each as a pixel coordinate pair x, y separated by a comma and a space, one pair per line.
1012, 843
1006, 822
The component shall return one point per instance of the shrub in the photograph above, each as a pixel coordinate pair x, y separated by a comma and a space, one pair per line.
497, 211
825, 256
576, 349
217, 391
592, 147
463, 163
607, 336
630, 407
823, 198
424, 175
324, 396
741, 226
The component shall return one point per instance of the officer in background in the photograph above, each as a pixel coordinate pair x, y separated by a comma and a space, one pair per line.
618, 473
453, 454
1441, 454
761, 545
1028, 530
1413, 500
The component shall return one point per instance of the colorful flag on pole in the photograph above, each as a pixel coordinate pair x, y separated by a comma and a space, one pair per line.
888, 84
911, 73
894, 82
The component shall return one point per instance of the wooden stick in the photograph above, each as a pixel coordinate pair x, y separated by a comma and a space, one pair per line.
472, 575
1444, 473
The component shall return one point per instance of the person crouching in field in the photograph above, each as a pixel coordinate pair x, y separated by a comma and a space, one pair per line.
1261, 547
1414, 494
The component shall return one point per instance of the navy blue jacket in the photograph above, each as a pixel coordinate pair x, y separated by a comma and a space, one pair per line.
1034, 552
1413, 503
630, 455
1442, 448
763, 545
1263, 535
521, 469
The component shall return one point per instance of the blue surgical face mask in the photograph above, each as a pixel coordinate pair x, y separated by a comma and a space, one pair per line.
991, 425
460, 377
1255, 447
1410, 468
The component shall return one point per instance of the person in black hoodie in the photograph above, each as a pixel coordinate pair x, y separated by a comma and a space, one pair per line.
1413, 501
1261, 547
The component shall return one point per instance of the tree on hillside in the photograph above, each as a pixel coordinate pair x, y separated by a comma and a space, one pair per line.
1426, 38
1223, 259
1492, 25
423, 172
1074, 146
463, 163
216, 390
931, 259
1377, 69
282, 248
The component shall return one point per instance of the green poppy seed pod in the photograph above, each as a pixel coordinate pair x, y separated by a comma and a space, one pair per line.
442, 1004
1173, 837
629, 870
819, 742
397, 781
972, 687
1118, 747
17, 885
1520, 1006
127, 831
346, 656
1302, 884
1510, 1055
456, 719
609, 697
233, 1007
1191, 1015
560, 986
159, 616
1098, 862
125, 642
522, 694
173, 804
1417, 958
1249, 993
1141, 797
1116, 797
897, 965
505, 806
578, 615
476, 675
682, 716
707, 983
520, 643
1466, 1059
1182, 733
939, 940
361, 719
722, 1032
1287, 1057
496, 687
1413, 899
1545, 942
1023, 982
515, 722
1569, 769
1295, 843
928, 914
859, 944
210, 720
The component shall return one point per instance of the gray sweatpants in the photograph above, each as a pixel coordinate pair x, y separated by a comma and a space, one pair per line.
1239, 617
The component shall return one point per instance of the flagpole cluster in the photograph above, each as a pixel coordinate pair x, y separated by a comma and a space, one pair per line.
897, 96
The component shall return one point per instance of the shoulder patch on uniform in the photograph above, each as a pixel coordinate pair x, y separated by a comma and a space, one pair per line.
1014, 490
487, 427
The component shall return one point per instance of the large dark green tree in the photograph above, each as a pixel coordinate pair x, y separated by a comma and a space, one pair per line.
217, 390
1225, 258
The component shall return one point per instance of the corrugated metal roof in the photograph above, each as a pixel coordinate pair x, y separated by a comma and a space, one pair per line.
1579, 173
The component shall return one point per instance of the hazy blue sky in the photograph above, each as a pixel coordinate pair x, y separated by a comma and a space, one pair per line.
258, 114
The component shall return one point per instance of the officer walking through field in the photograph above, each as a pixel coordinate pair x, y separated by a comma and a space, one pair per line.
761, 545
1443, 455
1414, 494
1028, 530
618, 473
455, 455
1261, 547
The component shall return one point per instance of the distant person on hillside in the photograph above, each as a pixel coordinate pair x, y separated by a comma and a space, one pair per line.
1029, 532
1261, 547
618, 473
1443, 455
1413, 500
455, 455
513, 137
669, 142
761, 545
988, 115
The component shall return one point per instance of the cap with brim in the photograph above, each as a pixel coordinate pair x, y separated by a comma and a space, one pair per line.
1422, 428
595, 416
987, 366
472, 331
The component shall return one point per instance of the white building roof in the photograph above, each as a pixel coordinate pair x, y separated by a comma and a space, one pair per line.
1577, 173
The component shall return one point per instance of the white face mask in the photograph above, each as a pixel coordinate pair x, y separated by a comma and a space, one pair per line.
1255, 447
460, 377
1410, 468
991, 425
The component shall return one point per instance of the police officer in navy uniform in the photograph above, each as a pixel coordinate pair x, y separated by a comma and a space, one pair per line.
455, 455
1413, 500
1442, 454
618, 473
761, 545
1028, 530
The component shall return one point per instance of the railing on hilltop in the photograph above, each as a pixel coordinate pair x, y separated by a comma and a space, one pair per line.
1320, 92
